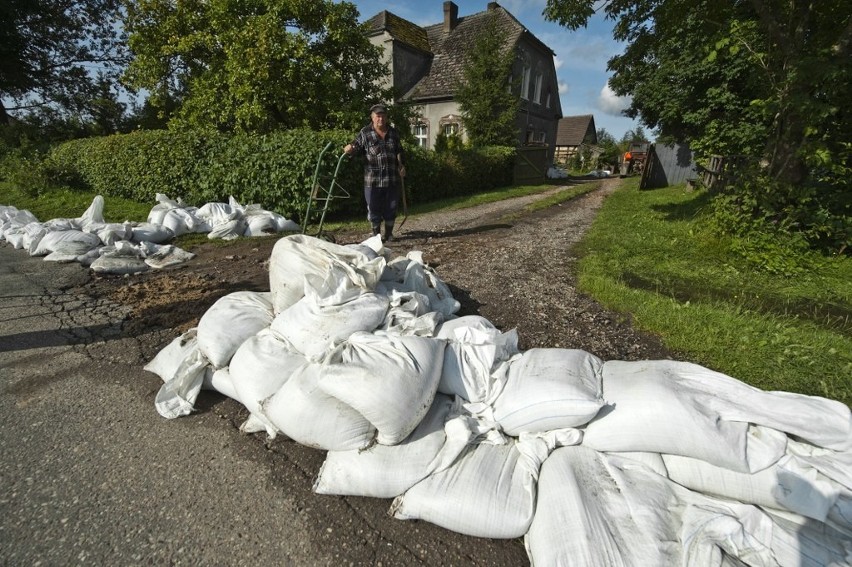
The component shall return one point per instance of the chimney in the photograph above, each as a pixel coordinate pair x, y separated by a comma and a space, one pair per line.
451, 16
493, 6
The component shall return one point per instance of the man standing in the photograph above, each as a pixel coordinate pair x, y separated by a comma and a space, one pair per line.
383, 169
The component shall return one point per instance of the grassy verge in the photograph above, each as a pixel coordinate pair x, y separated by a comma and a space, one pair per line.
65, 203
648, 254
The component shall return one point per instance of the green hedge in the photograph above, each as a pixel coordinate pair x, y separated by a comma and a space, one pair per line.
273, 170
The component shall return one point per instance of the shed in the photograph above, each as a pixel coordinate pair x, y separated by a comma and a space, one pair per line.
668, 164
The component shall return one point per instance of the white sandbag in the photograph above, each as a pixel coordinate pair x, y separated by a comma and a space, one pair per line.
165, 363
182, 367
666, 407
258, 369
549, 388
94, 215
386, 471
230, 321
179, 221
112, 232
790, 484
15, 237
391, 380
216, 213
68, 251
163, 206
284, 224
305, 413
50, 241
724, 532
260, 223
312, 325
599, 510
32, 234
168, 255
474, 350
297, 257
147, 232
228, 230
489, 491
221, 382
423, 279
118, 264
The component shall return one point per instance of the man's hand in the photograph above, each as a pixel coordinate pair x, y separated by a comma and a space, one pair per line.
402, 171
347, 149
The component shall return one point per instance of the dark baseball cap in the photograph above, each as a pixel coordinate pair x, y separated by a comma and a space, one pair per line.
379, 109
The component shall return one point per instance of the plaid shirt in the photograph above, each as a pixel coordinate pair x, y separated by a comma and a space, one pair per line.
380, 169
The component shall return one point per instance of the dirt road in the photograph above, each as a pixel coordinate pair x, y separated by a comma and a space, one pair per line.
92, 474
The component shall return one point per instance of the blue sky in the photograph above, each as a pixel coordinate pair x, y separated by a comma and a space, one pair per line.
580, 60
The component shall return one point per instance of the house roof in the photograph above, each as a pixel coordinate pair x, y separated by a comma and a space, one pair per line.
574, 130
400, 29
449, 49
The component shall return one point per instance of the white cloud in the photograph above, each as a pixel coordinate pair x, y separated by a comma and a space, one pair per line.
609, 103
557, 62
563, 87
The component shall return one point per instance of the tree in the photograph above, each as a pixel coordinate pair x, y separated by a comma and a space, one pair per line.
256, 66
47, 48
487, 103
760, 76
768, 79
610, 150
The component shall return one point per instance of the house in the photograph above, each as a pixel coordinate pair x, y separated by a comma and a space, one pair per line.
426, 63
573, 132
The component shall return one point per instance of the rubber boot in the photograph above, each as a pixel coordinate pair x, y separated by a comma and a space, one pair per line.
388, 231
377, 229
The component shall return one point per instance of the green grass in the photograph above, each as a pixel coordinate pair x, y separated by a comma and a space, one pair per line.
66, 203
650, 255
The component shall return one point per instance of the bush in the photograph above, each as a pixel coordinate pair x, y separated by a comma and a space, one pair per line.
273, 170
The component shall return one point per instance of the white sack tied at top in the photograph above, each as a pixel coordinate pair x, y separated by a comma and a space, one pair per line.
386, 471
230, 321
330, 311
549, 388
297, 257
489, 491
412, 274
391, 380
259, 368
685, 409
475, 348
304, 412
51, 241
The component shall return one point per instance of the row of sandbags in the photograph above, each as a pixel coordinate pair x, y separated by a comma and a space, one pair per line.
132, 247
361, 354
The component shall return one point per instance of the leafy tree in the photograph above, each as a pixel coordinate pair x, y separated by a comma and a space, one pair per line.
256, 66
768, 79
610, 150
47, 48
489, 108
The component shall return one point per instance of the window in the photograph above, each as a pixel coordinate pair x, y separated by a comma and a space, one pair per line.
451, 129
421, 134
540, 137
547, 104
538, 79
525, 82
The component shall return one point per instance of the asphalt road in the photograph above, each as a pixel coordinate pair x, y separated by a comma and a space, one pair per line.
91, 474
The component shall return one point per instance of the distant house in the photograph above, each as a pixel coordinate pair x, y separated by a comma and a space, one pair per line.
572, 133
426, 63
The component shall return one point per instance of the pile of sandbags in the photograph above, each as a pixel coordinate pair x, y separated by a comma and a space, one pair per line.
593, 462
132, 247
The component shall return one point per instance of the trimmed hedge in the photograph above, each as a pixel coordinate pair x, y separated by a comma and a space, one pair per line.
273, 170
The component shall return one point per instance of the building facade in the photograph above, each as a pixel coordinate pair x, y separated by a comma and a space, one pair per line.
426, 63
